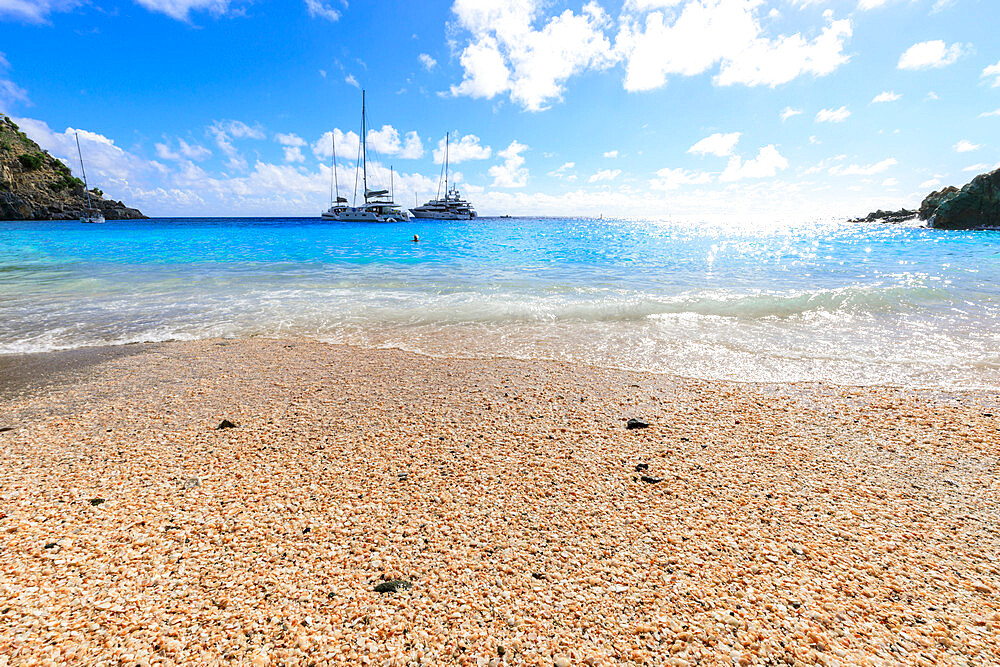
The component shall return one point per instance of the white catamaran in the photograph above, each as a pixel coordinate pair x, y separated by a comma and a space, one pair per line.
452, 207
378, 206
92, 214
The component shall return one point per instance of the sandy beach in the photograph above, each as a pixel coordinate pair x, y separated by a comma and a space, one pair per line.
747, 524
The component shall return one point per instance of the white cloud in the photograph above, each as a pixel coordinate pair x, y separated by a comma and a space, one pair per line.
890, 182
833, 115
611, 154
413, 148
512, 173
993, 71
717, 144
767, 163
348, 145
931, 183
863, 170
185, 150
467, 148
108, 165
427, 61
34, 11
934, 53
164, 152
965, 146
671, 179
990, 114
10, 92
886, 96
289, 139
385, 141
507, 53
179, 9
871, 4
981, 167
351, 81
318, 9
294, 154
710, 32
932, 96
561, 174
225, 131
789, 112
604, 175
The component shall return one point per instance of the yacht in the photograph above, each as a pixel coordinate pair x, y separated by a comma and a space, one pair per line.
452, 207
378, 205
91, 214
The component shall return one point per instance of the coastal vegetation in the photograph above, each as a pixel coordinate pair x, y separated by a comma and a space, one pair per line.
34, 185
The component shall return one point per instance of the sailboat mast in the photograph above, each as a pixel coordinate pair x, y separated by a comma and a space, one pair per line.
86, 187
392, 188
336, 183
364, 146
447, 138
333, 165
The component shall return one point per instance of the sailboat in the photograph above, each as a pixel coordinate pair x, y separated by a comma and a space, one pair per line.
91, 215
338, 205
378, 206
452, 207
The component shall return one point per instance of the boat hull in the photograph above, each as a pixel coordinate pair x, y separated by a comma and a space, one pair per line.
442, 215
361, 215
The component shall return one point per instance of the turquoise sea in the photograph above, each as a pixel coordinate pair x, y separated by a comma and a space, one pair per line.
834, 301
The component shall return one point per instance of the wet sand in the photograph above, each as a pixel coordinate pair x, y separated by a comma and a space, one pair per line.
27, 374
764, 525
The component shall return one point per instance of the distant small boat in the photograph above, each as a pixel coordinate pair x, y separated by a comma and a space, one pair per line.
91, 215
452, 207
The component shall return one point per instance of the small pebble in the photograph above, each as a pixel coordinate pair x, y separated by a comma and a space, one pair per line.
393, 586
633, 423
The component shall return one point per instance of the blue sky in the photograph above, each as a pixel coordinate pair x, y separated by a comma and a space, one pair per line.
698, 109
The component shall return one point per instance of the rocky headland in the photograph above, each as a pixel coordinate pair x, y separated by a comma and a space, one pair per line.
974, 206
36, 186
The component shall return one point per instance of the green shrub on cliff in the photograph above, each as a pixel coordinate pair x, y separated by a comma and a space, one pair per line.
31, 161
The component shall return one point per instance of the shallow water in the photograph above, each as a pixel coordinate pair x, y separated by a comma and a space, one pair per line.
852, 304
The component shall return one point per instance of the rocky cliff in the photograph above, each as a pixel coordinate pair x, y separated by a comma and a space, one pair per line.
36, 186
975, 206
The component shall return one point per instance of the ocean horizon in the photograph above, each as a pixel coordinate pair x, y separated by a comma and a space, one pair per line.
827, 301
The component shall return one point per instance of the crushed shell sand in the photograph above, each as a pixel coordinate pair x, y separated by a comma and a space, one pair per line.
791, 524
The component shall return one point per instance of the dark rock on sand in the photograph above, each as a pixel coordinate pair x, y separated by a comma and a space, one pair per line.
97, 501
975, 206
651, 480
393, 586
636, 423
640, 467
225, 423
190, 483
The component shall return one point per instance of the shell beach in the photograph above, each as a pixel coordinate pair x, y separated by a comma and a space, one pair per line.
748, 524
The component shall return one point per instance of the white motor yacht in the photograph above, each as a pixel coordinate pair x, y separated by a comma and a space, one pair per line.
452, 207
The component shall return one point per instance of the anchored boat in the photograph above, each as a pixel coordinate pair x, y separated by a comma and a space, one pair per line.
452, 207
91, 215
378, 206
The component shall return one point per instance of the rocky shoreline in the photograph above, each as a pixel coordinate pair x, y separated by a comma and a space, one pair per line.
36, 186
974, 206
